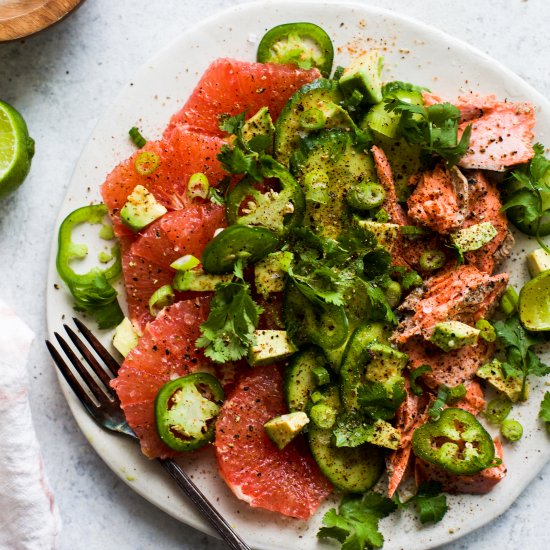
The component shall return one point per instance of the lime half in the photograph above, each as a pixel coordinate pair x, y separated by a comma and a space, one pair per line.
16, 149
534, 303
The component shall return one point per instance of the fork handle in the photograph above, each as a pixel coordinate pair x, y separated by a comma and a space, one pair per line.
208, 511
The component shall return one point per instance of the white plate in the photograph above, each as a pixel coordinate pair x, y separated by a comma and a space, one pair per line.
413, 52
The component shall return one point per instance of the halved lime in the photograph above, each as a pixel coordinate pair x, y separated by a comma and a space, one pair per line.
16, 149
534, 303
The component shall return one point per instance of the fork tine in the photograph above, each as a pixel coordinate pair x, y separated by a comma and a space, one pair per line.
93, 386
71, 380
106, 357
88, 356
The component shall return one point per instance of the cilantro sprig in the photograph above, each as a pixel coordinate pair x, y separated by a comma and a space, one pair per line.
521, 360
228, 331
434, 128
544, 413
430, 504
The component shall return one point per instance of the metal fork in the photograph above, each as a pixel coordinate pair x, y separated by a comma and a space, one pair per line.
109, 415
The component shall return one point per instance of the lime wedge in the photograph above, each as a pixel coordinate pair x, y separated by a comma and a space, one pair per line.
534, 303
16, 149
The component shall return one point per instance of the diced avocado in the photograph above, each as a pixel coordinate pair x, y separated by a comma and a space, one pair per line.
451, 335
493, 373
386, 233
364, 74
538, 261
198, 281
383, 434
270, 346
386, 364
283, 429
259, 130
474, 237
141, 209
269, 273
125, 337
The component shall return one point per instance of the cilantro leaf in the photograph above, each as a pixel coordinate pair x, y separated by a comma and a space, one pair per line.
520, 358
355, 525
227, 333
380, 401
232, 124
429, 502
544, 413
434, 128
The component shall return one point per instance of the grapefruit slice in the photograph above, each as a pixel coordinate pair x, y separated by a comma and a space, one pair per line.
178, 233
164, 352
286, 481
230, 87
184, 154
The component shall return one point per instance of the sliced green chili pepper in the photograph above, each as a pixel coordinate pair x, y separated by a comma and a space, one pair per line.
185, 411
250, 244
198, 186
456, 442
498, 409
146, 163
91, 291
432, 260
366, 195
303, 44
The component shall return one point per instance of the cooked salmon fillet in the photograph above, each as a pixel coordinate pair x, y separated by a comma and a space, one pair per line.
474, 401
438, 200
477, 484
502, 131
463, 294
484, 206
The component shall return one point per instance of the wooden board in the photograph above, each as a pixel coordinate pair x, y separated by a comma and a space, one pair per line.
20, 18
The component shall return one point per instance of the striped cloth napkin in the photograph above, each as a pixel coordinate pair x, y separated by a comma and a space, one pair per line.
29, 519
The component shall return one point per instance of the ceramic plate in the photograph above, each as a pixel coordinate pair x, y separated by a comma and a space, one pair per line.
413, 52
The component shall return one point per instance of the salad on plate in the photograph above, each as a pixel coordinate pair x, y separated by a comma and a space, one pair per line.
311, 258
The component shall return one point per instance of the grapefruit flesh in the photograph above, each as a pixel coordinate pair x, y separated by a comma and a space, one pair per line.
230, 87
286, 481
164, 352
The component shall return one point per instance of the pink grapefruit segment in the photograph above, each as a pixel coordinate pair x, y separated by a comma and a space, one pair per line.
230, 87
287, 481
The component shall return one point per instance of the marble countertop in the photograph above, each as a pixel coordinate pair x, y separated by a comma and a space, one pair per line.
62, 80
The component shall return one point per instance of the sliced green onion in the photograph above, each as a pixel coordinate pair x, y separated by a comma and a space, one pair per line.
198, 186
185, 263
512, 430
316, 187
106, 233
382, 216
509, 301
136, 137
393, 293
323, 415
162, 297
432, 260
321, 375
317, 397
313, 119
146, 163
487, 331
366, 195
498, 409
414, 374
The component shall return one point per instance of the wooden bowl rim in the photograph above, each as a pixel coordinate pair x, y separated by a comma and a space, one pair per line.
44, 15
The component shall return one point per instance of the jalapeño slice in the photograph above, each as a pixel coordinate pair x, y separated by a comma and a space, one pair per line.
303, 44
250, 244
185, 411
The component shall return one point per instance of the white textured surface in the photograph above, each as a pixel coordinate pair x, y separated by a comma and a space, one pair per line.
62, 80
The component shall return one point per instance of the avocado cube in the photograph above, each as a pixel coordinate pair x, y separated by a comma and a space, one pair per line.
141, 209
538, 261
125, 337
283, 429
364, 74
258, 131
386, 234
474, 237
386, 364
197, 280
269, 346
383, 434
493, 373
451, 335
269, 273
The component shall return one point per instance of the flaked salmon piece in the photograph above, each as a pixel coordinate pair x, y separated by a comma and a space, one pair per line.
502, 131
485, 206
464, 294
474, 401
477, 484
450, 368
439, 199
390, 205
